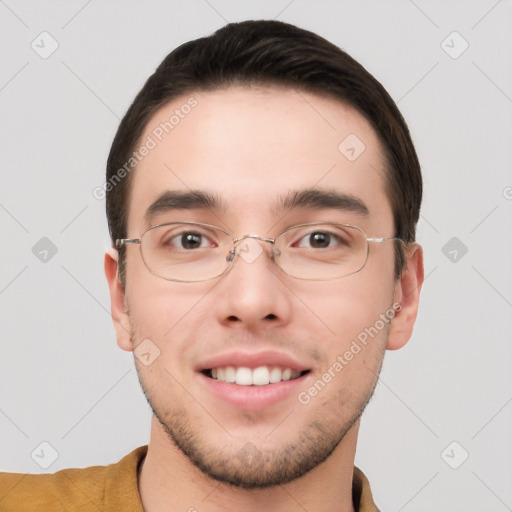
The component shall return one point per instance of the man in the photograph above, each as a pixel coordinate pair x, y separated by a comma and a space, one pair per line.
262, 198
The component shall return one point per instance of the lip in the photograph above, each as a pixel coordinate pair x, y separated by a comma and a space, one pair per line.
263, 358
253, 398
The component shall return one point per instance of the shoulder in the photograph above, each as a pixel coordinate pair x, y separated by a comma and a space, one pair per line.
92, 488
27, 492
361, 493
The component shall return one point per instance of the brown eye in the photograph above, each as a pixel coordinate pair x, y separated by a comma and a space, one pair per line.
319, 240
191, 240
187, 240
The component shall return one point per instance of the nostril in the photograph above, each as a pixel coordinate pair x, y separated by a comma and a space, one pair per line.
233, 318
271, 316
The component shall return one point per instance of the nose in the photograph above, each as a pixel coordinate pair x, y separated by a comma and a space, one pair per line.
252, 293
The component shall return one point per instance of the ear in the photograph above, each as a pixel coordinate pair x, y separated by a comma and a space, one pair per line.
407, 293
117, 301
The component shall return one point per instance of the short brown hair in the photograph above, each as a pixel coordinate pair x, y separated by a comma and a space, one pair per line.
273, 53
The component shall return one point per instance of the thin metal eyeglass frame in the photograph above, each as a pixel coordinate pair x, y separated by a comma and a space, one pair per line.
120, 242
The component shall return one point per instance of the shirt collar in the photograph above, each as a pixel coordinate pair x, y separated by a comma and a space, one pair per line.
128, 468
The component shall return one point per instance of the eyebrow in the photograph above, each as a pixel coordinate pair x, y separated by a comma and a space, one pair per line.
192, 200
316, 199
319, 199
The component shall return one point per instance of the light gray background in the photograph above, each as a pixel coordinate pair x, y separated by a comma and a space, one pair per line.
63, 379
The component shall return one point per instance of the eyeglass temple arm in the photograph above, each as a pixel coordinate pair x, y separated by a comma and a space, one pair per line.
122, 241
379, 240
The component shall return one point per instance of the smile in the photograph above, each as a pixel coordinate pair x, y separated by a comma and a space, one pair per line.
260, 376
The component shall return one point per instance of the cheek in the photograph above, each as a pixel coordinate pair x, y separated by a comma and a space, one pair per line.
168, 313
355, 349
155, 305
352, 329
342, 309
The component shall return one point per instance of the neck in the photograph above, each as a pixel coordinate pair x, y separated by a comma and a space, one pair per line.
167, 479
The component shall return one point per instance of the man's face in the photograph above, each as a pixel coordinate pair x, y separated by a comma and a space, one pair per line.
250, 148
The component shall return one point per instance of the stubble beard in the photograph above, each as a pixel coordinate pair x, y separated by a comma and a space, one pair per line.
247, 466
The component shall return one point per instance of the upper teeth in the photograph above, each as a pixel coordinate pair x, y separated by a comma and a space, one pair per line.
258, 376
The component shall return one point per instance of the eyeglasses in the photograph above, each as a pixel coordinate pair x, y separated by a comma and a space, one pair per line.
191, 251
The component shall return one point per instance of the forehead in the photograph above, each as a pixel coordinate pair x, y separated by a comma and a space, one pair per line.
250, 145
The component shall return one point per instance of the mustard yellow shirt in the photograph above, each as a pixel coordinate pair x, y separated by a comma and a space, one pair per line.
110, 488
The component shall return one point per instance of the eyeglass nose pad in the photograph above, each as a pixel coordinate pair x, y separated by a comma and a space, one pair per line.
275, 253
231, 256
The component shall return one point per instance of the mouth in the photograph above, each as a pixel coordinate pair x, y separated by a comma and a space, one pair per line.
253, 381
260, 376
